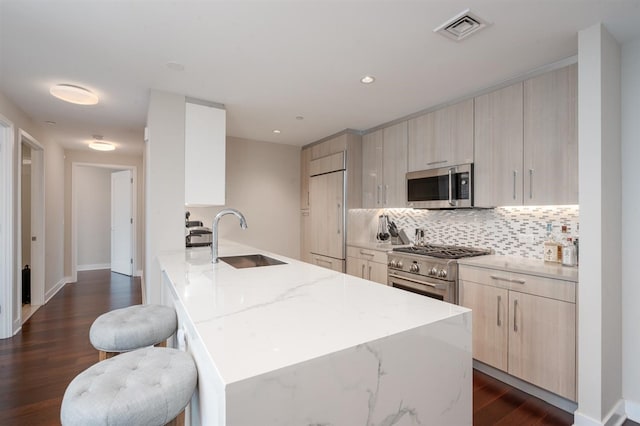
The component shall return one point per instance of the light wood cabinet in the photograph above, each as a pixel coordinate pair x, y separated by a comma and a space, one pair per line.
305, 161
498, 177
551, 138
328, 262
305, 243
368, 264
526, 146
524, 325
441, 138
384, 166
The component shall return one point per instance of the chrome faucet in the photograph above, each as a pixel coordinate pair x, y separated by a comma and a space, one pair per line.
214, 242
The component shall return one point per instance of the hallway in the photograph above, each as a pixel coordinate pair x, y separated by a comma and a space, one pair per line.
38, 363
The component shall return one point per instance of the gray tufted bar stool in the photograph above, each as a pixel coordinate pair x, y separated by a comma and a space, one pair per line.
149, 386
134, 327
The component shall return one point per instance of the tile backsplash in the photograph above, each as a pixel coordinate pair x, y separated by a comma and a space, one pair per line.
518, 231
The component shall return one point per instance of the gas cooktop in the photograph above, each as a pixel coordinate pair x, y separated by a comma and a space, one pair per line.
442, 251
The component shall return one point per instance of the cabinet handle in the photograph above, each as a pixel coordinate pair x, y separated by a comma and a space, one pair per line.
451, 170
515, 175
511, 280
530, 183
499, 323
369, 271
362, 271
338, 218
431, 163
515, 315
308, 198
378, 189
366, 253
386, 191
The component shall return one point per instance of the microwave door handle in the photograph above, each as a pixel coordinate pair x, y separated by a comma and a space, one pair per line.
451, 203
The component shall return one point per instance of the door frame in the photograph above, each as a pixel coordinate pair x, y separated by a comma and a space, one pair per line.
74, 212
7, 139
37, 225
131, 238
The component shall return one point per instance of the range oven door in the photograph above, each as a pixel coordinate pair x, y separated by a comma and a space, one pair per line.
436, 289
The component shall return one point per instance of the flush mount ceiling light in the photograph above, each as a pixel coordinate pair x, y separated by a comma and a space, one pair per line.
99, 145
102, 146
74, 94
462, 25
277, 132
367, 79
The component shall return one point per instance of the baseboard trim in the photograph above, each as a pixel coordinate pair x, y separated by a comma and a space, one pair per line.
549, 397
615, 417
632, 409
56, 288
94, 266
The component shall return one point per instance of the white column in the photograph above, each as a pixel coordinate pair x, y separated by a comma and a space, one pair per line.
631, 227
599, 291
164, 184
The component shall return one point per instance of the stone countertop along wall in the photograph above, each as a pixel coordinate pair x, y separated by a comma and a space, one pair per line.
501, 229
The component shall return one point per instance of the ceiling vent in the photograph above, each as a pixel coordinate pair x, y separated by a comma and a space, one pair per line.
462, 25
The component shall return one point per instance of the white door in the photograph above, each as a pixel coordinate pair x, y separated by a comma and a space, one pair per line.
122, 222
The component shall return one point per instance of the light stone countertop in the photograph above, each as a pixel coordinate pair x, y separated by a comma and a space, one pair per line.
524, 265
257, 320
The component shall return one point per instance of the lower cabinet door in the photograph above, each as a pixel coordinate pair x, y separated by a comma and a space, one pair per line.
490, 321
542, 342
357, 267
377, 272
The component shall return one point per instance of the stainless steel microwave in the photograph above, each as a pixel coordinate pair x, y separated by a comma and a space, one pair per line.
442, 188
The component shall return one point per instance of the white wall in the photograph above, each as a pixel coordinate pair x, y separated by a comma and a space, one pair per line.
631, 227
263, 182
54, 196
93, 189
599, 292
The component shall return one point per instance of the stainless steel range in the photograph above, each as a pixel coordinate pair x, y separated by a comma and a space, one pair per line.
430, 270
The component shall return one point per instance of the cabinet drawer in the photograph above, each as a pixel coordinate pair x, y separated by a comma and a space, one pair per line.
525, 283
367, 254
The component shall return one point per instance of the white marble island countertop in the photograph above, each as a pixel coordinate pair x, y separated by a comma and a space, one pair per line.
296, 323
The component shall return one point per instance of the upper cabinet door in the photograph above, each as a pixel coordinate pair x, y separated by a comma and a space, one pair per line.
204, 155
305, 160
498, 148
394, 190
551, 138
441, 138
372, 170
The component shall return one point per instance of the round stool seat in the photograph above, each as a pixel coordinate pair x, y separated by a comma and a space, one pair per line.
148, 386
134, 327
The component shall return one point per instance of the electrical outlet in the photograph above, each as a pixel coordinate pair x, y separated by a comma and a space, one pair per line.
525, 238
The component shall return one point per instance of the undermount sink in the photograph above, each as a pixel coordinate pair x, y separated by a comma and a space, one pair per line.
250, 261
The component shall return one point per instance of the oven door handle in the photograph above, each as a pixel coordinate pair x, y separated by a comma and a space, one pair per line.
437, 286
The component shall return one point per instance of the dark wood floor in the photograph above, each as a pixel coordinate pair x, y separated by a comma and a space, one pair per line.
37, 364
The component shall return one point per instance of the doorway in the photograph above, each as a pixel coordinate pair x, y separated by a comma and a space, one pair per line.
103, 208
30, 251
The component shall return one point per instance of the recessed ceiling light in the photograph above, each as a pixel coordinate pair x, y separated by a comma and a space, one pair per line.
367, 79
74, 94
102, 146
299, 117
277, 132
50, 123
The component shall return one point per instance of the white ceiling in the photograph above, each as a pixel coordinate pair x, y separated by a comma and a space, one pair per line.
270, 61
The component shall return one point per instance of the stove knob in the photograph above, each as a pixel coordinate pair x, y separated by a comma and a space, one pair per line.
433, 271
414, 268
442, 273
399, 264
394, 263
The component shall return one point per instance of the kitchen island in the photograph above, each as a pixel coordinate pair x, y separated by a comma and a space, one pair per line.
296, 344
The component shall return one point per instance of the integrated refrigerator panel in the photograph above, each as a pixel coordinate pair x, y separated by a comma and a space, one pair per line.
327, 214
